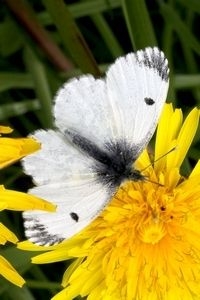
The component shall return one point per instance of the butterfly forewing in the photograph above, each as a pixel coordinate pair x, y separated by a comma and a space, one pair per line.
131, 80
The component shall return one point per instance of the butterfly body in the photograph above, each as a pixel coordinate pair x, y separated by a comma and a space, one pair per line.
112, 165
102, 127
117, 165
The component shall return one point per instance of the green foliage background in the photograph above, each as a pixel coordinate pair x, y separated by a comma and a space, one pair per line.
44, 43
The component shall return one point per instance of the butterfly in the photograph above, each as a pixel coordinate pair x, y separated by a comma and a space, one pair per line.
102, 126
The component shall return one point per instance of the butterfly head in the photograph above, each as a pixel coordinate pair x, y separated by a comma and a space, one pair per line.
136, 175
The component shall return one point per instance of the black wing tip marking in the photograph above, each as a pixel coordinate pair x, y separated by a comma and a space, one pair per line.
154, 58
38, 234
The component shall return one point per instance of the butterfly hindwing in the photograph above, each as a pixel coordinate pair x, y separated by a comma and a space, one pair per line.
66, 177
78, 203
57, 161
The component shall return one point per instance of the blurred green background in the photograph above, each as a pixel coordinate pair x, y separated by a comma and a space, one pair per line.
44, 43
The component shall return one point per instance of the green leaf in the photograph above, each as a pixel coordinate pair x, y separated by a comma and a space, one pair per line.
107, 35
182, 81
18, 108
43, 284
83, 9
172, 17
20, 260
42, 89
192, 4
139, 23
10, 37
167, 48
71, 36
23, 293
15, 80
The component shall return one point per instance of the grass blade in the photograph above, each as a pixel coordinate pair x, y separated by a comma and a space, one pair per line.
139, 23
71, 36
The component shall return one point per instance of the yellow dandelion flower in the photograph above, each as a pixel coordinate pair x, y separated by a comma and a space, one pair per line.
12, 150
146, 244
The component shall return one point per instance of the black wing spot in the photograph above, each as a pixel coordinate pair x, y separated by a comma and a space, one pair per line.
149, 101
74, 216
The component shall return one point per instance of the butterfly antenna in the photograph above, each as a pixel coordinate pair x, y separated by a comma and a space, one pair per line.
171, 150
154, 182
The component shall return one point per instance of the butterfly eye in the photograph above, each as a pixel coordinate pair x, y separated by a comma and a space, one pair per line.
149, 101
74, 216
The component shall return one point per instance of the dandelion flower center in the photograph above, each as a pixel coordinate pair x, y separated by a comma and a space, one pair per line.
146, 211
153, 214
152, 233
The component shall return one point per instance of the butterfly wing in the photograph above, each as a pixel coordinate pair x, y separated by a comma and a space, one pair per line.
82, 105
124, 107
65, 177
78, 203
137, 86
57, 161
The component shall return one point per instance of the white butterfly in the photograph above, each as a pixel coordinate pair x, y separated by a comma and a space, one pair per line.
103, 125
